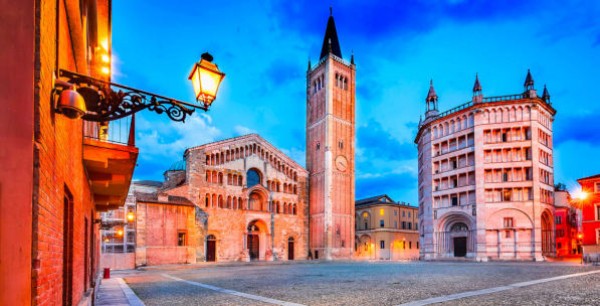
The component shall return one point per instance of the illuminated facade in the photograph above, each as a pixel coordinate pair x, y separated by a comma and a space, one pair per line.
386, 230
330, 134
58, 172
238, 199
591, 215
566, 225
486, 177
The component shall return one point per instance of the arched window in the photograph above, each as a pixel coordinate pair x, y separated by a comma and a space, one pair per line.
220, 178
294, 209
207, 200
252, 177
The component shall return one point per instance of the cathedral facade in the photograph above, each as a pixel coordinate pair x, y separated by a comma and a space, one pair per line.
486, 177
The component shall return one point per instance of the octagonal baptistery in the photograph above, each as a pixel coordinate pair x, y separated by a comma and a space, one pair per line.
486, 177
251, 199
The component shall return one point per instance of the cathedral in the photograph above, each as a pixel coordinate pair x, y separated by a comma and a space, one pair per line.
242, 199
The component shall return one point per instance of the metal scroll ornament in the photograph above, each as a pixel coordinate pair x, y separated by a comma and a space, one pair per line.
107, 101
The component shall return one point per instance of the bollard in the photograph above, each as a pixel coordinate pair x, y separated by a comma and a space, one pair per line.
106, 272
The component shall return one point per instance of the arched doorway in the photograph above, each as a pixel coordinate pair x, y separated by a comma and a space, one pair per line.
291, 248
459, 232
547, 241
211, 248
253, 241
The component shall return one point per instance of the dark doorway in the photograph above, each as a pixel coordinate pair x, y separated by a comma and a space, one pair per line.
253, 246
291, 249
211, 248
67, 293
460, 246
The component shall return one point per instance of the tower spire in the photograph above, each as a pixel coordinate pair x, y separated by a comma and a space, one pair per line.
331, 38
431, 95
477, 85
546, 95
528, 81
431, 102
529, 90
477, 95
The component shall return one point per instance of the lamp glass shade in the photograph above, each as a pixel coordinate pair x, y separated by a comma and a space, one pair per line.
206, 79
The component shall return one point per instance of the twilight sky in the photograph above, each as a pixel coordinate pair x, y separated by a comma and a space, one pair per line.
263, 46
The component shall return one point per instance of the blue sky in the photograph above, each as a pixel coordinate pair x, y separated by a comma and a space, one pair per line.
263, 47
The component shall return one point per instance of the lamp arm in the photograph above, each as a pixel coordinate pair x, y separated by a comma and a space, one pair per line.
106, 101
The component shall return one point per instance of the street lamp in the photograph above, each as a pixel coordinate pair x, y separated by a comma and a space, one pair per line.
130, 216
80, 96
206, 78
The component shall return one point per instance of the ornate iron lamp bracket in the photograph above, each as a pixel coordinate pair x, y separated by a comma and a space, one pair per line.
106, 101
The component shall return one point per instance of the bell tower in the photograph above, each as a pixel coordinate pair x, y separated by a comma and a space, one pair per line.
330, 143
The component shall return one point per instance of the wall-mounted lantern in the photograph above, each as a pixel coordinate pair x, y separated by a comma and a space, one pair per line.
80, 96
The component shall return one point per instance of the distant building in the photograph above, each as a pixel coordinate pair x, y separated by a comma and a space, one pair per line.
566, 225
486, 177
591, 215
118, 233
386, 230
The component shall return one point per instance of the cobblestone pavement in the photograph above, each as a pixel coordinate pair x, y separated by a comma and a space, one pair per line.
364, 283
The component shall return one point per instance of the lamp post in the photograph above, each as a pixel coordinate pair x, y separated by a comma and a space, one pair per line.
80, 96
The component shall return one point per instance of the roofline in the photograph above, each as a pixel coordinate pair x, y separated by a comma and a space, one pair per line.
248, 136
470, 106
587, 178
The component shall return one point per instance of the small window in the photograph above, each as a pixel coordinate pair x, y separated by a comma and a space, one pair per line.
558, 220
181, 238
410, 244
381, 223
381, 212
318, 146
507, 234
508, 222
409, 225
417, 245
395, 224
341, 144
409, 214
382, 244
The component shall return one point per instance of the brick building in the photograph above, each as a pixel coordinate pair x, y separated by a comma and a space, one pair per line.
238, 199
486, 177
590, 204
386, 229
566, 223
330, 144
57, 172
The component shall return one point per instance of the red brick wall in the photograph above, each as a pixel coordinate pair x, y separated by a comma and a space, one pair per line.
17, 32
58, 166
